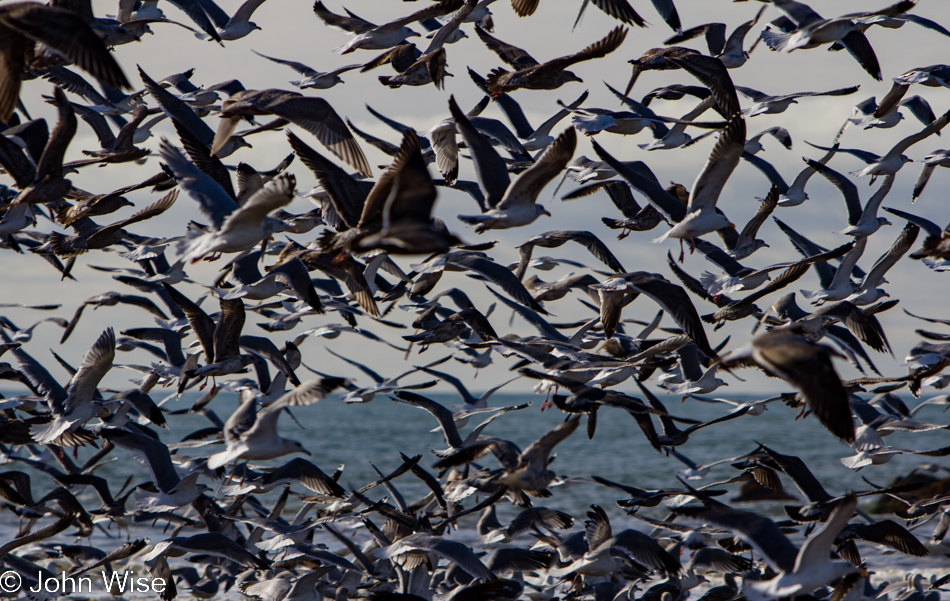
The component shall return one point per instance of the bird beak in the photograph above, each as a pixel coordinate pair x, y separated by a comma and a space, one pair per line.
546, 212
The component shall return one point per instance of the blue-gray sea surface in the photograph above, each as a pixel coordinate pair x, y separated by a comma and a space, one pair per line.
360, 436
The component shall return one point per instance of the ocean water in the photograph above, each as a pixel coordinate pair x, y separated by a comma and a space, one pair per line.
361, 436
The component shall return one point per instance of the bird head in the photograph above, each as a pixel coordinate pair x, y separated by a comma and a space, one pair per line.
297, 447
541, 210
571, 76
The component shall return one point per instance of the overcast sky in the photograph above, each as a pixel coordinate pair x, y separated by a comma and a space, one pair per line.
290, 30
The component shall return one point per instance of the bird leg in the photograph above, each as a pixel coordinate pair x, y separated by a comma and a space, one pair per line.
624, 233
548, 400
805, 412
544, 405
682, 252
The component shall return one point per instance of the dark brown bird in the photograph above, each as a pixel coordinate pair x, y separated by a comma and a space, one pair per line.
541, 76
408, 226
312, 114
656, 59
23, 24
784, 353
46, 183
428, 68
90, 236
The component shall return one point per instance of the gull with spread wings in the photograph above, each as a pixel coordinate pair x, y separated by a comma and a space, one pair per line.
541, 76
512, 204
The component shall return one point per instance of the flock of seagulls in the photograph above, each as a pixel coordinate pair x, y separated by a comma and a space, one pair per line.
369, 259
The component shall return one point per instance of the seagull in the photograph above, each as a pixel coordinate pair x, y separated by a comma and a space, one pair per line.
514, 204
541, 76
312, 78
701, 215
382, 385
215, 544
557, 238
636, 218
800, 571
814, 31
471, 404
933, 76
525, 470
173, 491
818, 323
456, 552
772, 105
246, 226
289, 275
77, 405
869, 292
677, 135
261, 440
25, 24
234, 27
892, 161
220, 342
730, 51
938, 158
111, 299
660, 59
738, 277
45, 182
312, 114
796, 195
372, 37
784, 353
407, 225
840, 287
604, 547
616, 292
186, 119
97, 237
935, 247
754, 144
863, 114
861, 221
533, 139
